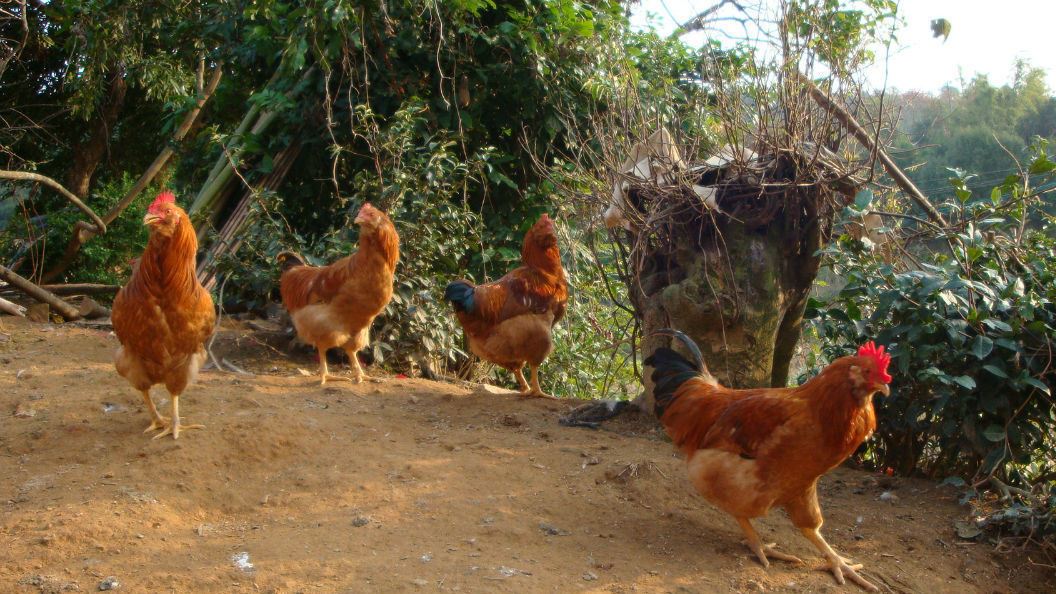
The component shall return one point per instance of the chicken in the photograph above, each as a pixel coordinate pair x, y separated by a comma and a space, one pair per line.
163, 316
750, 450
334, 306
509, 321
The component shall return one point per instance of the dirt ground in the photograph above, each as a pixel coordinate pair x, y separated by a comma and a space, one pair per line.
400, 486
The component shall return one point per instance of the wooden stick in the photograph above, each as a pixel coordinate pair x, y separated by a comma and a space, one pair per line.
863, 136
78, 289
66, 310
12, 308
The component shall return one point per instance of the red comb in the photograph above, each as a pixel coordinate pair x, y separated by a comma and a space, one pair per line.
165, 197
878, 355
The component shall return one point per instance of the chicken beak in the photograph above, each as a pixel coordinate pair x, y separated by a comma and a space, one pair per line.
151, 219
885, 389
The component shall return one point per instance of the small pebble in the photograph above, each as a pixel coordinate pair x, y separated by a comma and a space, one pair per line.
109, 583
590, 576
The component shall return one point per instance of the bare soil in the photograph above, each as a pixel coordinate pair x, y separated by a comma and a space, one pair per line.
400, 486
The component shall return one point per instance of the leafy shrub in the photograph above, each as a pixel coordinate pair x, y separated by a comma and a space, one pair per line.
971, 332
104, 259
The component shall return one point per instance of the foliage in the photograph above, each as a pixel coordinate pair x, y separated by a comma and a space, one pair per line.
27, 239
973, 128
971, 331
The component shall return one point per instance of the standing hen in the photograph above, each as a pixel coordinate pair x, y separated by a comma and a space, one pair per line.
751, 450
509, 321
333, 306
163, 316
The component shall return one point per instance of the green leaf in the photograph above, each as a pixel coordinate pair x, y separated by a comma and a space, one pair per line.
1033, 381
995, 370
863, 199
982, 346
994, 433
965, 381
995, 196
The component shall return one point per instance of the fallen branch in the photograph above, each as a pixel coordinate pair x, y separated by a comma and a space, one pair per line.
13, 309
99, 227
80, 289
64, 309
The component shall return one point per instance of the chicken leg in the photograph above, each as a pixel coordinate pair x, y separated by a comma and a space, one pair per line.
839, 566
324, 371
522, 384
358, 375
536, 391
762, 551
157, 421
174, 427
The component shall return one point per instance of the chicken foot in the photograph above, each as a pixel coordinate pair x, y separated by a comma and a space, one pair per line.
157, 421
536, 391
175, 427
762, 552
324, 372
838, 566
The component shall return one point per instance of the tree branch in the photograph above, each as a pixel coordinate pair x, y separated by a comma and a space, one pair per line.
100, 226
862, 136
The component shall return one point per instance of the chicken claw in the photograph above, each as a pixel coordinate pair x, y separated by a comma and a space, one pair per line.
538, 394
841, 569
769, 551
175, 429
158, 423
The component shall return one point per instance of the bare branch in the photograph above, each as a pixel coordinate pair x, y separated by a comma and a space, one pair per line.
100, 226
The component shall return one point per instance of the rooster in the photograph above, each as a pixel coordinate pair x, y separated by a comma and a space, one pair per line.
163, 316
750, 450
334, 306
509, 321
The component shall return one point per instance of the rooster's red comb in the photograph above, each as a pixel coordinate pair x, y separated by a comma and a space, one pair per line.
881, 359
165, 197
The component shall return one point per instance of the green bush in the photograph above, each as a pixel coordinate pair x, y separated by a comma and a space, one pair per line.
971, 331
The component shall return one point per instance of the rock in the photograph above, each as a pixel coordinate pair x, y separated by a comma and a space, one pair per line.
110, 583
553, 530
512, 420
25, 411
888, 496
420, 582
39, 312
590, 576
490, 390
360, 521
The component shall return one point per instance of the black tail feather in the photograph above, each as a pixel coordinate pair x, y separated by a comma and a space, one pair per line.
671, 370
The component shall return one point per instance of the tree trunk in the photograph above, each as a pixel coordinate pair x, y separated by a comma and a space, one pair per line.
88, 154
738, 289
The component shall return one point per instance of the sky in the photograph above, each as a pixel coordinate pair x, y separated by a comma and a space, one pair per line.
987, 37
